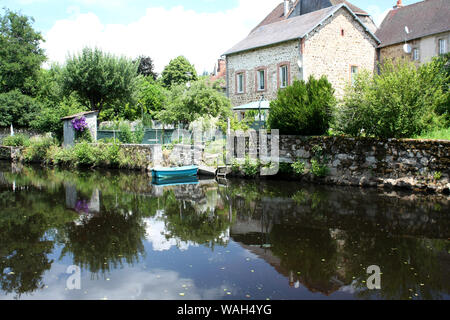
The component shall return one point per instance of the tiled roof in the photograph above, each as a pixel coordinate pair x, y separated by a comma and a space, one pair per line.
287, 29
422, 19
276, 15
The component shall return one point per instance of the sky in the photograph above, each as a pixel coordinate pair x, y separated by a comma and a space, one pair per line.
201, 30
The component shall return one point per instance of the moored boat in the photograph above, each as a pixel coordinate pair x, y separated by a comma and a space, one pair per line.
164, 173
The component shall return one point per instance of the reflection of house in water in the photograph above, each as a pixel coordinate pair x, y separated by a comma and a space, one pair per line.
87, 208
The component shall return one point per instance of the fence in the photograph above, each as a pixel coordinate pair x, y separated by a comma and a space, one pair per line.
157, 136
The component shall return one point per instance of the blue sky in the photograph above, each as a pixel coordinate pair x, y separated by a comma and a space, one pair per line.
200, 29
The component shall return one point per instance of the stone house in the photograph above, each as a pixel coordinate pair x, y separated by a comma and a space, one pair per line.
419, 31
324, 37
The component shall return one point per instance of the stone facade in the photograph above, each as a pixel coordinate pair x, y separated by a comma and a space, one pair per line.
428, 48
249, 62
331, 50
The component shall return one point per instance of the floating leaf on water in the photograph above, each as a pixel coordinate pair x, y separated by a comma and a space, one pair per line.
252, 270
181, 294
228, 292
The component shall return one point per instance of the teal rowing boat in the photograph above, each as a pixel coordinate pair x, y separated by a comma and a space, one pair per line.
164, 173
177, 181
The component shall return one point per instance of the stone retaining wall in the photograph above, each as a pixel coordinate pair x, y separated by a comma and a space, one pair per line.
413, 164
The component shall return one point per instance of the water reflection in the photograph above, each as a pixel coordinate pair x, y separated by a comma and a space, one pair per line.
306, 242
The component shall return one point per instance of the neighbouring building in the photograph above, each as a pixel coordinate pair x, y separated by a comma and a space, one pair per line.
298, 39
69, 131
424, 27
220, 73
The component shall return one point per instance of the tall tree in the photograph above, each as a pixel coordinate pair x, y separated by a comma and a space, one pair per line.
20, 53
178, 71
186, 105
146, 67
100, 79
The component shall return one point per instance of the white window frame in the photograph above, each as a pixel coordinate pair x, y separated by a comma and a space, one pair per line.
284, 80
442, 46
240, 83
263, 78
416, 54
353, 74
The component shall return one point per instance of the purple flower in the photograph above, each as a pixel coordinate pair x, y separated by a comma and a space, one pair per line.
79, 124
82, 206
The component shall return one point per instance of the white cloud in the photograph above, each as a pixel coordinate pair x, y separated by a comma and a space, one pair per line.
160, 33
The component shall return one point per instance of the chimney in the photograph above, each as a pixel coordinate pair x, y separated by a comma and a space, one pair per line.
287, 7
399, 4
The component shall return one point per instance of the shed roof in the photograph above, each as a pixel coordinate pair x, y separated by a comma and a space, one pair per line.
290, 29
79, 115
422, 19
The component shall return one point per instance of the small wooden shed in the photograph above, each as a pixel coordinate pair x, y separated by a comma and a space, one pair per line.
69, 131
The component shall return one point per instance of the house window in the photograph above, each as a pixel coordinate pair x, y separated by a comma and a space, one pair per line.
442, 46
261, 80
284, 76
353, 72
342, 32
416, 54
240, 83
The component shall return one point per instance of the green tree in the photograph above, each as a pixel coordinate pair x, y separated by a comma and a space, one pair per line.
401, 102
178, 71
152, 96
146, 67
17, 109
100, 79
20, 53
186, 105
304, 108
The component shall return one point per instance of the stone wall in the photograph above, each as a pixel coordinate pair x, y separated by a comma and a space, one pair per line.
329, 52
414, 164
248, 62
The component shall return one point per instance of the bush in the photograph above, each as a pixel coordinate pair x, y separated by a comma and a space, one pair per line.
401, 102
18, 140
250, 168
298, 167
38, 148
318, 169
304, 108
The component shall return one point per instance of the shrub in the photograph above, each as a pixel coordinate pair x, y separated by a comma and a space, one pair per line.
250, 168
401, 102
38, 148
235, 167
18, 140
318, 169
304, 108
298, 167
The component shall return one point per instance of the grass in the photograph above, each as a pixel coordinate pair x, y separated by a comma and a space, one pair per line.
442, 134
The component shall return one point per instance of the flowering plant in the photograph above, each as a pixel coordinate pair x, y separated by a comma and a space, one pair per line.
82, 206
79, 124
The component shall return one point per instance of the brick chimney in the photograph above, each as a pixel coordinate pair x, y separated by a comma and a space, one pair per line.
399, 4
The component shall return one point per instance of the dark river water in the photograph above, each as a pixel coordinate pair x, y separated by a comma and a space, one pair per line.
131, 239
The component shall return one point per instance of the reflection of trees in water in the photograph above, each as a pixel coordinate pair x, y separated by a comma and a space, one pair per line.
25, 220
411, 267
195, 222
328, 238
105, 241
